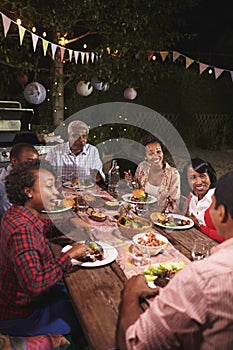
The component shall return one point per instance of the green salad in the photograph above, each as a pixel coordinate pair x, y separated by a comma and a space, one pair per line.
161, 269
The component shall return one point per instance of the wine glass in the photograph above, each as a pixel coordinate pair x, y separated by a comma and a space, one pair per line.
200, 249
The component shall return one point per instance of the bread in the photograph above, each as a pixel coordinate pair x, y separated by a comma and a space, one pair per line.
138, 193
67, 202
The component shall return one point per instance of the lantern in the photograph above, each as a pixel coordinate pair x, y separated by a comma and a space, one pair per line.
130, 93
84, 88
35, 93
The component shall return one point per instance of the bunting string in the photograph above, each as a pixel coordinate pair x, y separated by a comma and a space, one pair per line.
86, 57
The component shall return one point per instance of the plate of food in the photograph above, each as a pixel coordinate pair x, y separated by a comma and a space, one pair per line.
103, 254
138, 196
76, 184
97, 215
171, 221
160, 274
61, 206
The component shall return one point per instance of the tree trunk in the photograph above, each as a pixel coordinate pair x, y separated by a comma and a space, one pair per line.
58, 93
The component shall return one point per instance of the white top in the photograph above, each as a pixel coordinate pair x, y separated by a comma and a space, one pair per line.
151, 189
198, 207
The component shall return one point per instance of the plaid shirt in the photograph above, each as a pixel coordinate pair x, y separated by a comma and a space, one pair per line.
27, 265
68, 165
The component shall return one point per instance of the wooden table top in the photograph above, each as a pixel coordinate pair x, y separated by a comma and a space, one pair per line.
96, 292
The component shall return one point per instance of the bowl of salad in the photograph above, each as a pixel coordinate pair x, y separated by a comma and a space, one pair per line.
129, 225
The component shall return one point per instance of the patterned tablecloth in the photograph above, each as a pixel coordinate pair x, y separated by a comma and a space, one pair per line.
108, 232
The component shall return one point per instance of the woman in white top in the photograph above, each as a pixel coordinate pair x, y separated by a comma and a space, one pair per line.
201, 178
155, 176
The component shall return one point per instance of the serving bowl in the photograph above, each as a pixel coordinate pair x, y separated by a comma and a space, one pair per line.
153, 242
133, 226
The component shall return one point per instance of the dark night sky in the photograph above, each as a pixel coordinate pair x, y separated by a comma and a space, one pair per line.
212, 21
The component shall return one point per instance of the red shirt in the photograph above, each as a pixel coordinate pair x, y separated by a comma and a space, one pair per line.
27, 265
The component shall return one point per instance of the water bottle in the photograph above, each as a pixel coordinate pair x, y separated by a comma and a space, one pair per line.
113, 178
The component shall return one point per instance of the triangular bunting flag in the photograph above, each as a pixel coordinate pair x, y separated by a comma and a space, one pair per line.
70, 54
175, 55
163, 55
218, 72
34, 41
92, 57
6, 23
82, 57
189, 61
150, 55
76, 54
21, 34
202, 67
62, 50
45, 45
53, 49
231, 73
87, 57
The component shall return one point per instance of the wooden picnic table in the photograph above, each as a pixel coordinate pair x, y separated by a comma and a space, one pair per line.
96, 292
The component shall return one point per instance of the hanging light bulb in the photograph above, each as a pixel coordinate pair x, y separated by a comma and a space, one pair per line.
44, 34
210, 71
18, 21
34, 29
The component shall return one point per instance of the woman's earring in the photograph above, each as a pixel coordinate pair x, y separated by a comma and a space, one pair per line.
30, 196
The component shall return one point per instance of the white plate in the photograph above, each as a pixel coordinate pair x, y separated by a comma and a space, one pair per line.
176, 216
127, 197
110, 254
56, 211
68, 184
151, 283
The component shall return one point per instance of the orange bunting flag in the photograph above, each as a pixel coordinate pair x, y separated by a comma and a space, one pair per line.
163, 55
188, 61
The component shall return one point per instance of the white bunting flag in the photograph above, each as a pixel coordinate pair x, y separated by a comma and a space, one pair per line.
53, 50
6, 23
76, 54
34, 41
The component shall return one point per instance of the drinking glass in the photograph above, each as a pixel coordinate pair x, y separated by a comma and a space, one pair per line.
140, 256
141, 209
200, 250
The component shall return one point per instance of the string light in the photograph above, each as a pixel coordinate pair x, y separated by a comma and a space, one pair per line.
85, 46
153, 58
210, 71
18, 21
34, 29
111, 128
44, 34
